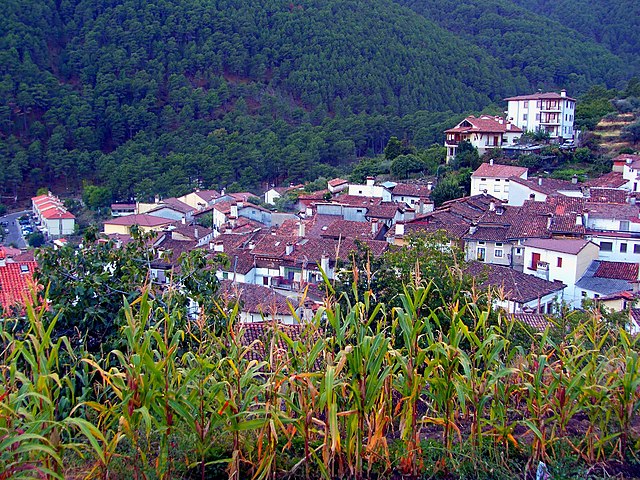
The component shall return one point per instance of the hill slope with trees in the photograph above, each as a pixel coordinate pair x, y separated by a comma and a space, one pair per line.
159, 97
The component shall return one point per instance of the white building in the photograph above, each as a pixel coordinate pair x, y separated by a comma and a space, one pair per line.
370, 189
560, 259
55, 220
485, 133
551, 112
495, 180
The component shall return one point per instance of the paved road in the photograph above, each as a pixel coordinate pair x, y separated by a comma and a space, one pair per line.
15, 233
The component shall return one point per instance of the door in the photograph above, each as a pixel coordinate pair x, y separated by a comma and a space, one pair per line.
535, 258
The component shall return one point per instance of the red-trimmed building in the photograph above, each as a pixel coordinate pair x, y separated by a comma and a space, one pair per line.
485, 133
16, 279
55, 220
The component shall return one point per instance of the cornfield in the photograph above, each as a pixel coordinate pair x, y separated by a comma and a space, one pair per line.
363, 392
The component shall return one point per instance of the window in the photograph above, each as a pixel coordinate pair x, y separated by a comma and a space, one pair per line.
624, 225
483, 179
225, 275
559, 264
483, 187
496, 188
636, 248
480, 254
481, 243
537, 117
584, 294
524, 117
498, 244
518, 251
606, 246
498, 253
265, 280
623, 248
526, 104
497, 179
539, 103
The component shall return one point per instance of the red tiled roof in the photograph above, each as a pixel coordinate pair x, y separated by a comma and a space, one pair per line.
618, 270
606, 195
515, 286
141, 219
484, 123
489, 234
562, 245
499, 171
537, 321
411, 190
540, 96
56, 213
547, 186
610, 180
633, 160
386, 210
255, 298
356, 200
337, 182
348, 229
16, 278
123, 206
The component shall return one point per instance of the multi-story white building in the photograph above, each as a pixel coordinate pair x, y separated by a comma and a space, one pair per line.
495, 179
485, 133
550, 112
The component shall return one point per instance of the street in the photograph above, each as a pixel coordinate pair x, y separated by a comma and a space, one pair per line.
15, 234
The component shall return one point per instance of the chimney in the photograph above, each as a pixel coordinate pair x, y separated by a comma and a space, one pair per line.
183, 220
492, 206
508, 126
539, 180
195, 233
579, 220
222, 193
211, 246
399, 229
309, 212
374, 226
370, 181
491, 162
473, 229
234, 211
574, 179
156, 199
252, 245
324, 263
301, 229
549, 222
563, 93
289, 249
240, 204
632, 200
429, 185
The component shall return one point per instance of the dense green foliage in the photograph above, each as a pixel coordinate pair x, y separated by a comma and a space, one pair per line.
157, 98
527, 44
361, 392
614, 24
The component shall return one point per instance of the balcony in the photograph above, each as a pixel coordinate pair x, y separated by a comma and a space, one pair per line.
550, 107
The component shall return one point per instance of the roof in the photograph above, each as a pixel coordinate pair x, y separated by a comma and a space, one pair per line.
207, 195
336, 182
606, 195
56, 213
515, 286
255, 298
386, 210
15, 280
547, 186
348, 229
141, 219
489, 234
537, 321
484, 123
562, 245
411, 190
610, 180
499, 171
618, 270
173, 204
123, 206
540, 96
631, 159
602, 285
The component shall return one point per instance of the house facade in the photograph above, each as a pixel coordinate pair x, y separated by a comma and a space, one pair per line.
553, 113
485, 133
495, 179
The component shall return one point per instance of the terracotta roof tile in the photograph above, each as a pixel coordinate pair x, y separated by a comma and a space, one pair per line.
617, 270
255, 298
499, 171
536, 321
411, 190
547, 186
608, 180
484, 123
606, 195
141, 219
541, 96
516, 286
16, 278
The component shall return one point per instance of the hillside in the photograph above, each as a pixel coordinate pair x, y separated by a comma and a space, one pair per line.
613, 24
159, 97
544, 50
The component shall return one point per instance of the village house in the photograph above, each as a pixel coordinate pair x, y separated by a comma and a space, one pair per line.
484, 133
553, 113
54, 219
613, 283
414, 196
560, 259
146, 223
495, 179
16, 282
122, 209
200, 199
337, 185
370, 190
517, 292
539, 189
271, 195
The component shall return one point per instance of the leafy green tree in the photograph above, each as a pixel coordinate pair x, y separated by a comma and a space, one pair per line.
36, 239
403, 165
466, 156
631, 133
447, 189
96, 197
3, 210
